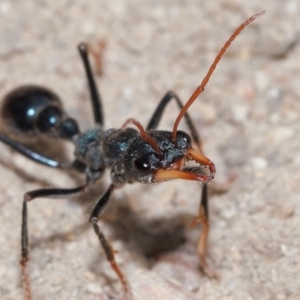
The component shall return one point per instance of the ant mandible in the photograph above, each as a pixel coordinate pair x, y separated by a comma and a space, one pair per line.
143, 155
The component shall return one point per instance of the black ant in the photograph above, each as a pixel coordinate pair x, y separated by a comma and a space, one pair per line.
143, 155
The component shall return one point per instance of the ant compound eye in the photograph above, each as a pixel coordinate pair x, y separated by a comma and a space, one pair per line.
142, 166
183, 140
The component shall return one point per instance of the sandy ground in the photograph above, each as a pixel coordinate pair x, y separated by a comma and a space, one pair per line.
248, 118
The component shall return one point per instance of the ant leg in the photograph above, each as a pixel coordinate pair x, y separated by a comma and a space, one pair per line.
35, 156
39, 158
157, 115
108, 249
203, 218
94, 93
46, 193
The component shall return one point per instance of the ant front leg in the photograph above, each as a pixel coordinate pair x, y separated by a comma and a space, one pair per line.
203, 215
203, 218
108, 249
45, 193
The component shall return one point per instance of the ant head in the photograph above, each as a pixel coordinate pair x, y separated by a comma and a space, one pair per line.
143, 163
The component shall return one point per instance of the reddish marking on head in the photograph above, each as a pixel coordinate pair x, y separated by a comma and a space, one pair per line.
201, 87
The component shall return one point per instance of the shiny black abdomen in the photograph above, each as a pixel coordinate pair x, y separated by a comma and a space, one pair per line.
21, 107
33, 110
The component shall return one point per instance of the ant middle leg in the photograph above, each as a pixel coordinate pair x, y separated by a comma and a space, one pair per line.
203, 215
45, 193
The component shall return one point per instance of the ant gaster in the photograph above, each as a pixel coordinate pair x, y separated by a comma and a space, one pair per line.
143, 155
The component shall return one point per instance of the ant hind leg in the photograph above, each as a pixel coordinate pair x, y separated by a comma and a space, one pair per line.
45, 193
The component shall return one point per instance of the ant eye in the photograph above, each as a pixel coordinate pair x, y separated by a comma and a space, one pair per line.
183, 140
142, 166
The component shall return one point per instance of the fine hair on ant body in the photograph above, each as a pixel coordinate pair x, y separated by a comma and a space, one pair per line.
145, 155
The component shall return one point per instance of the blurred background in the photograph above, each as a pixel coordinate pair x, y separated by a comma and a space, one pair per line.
248, 118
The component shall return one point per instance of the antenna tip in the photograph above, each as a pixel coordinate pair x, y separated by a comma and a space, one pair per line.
258, 14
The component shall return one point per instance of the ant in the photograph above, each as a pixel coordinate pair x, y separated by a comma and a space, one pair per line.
143, 155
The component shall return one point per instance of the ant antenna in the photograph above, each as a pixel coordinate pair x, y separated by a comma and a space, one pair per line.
201, 87
145, 136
